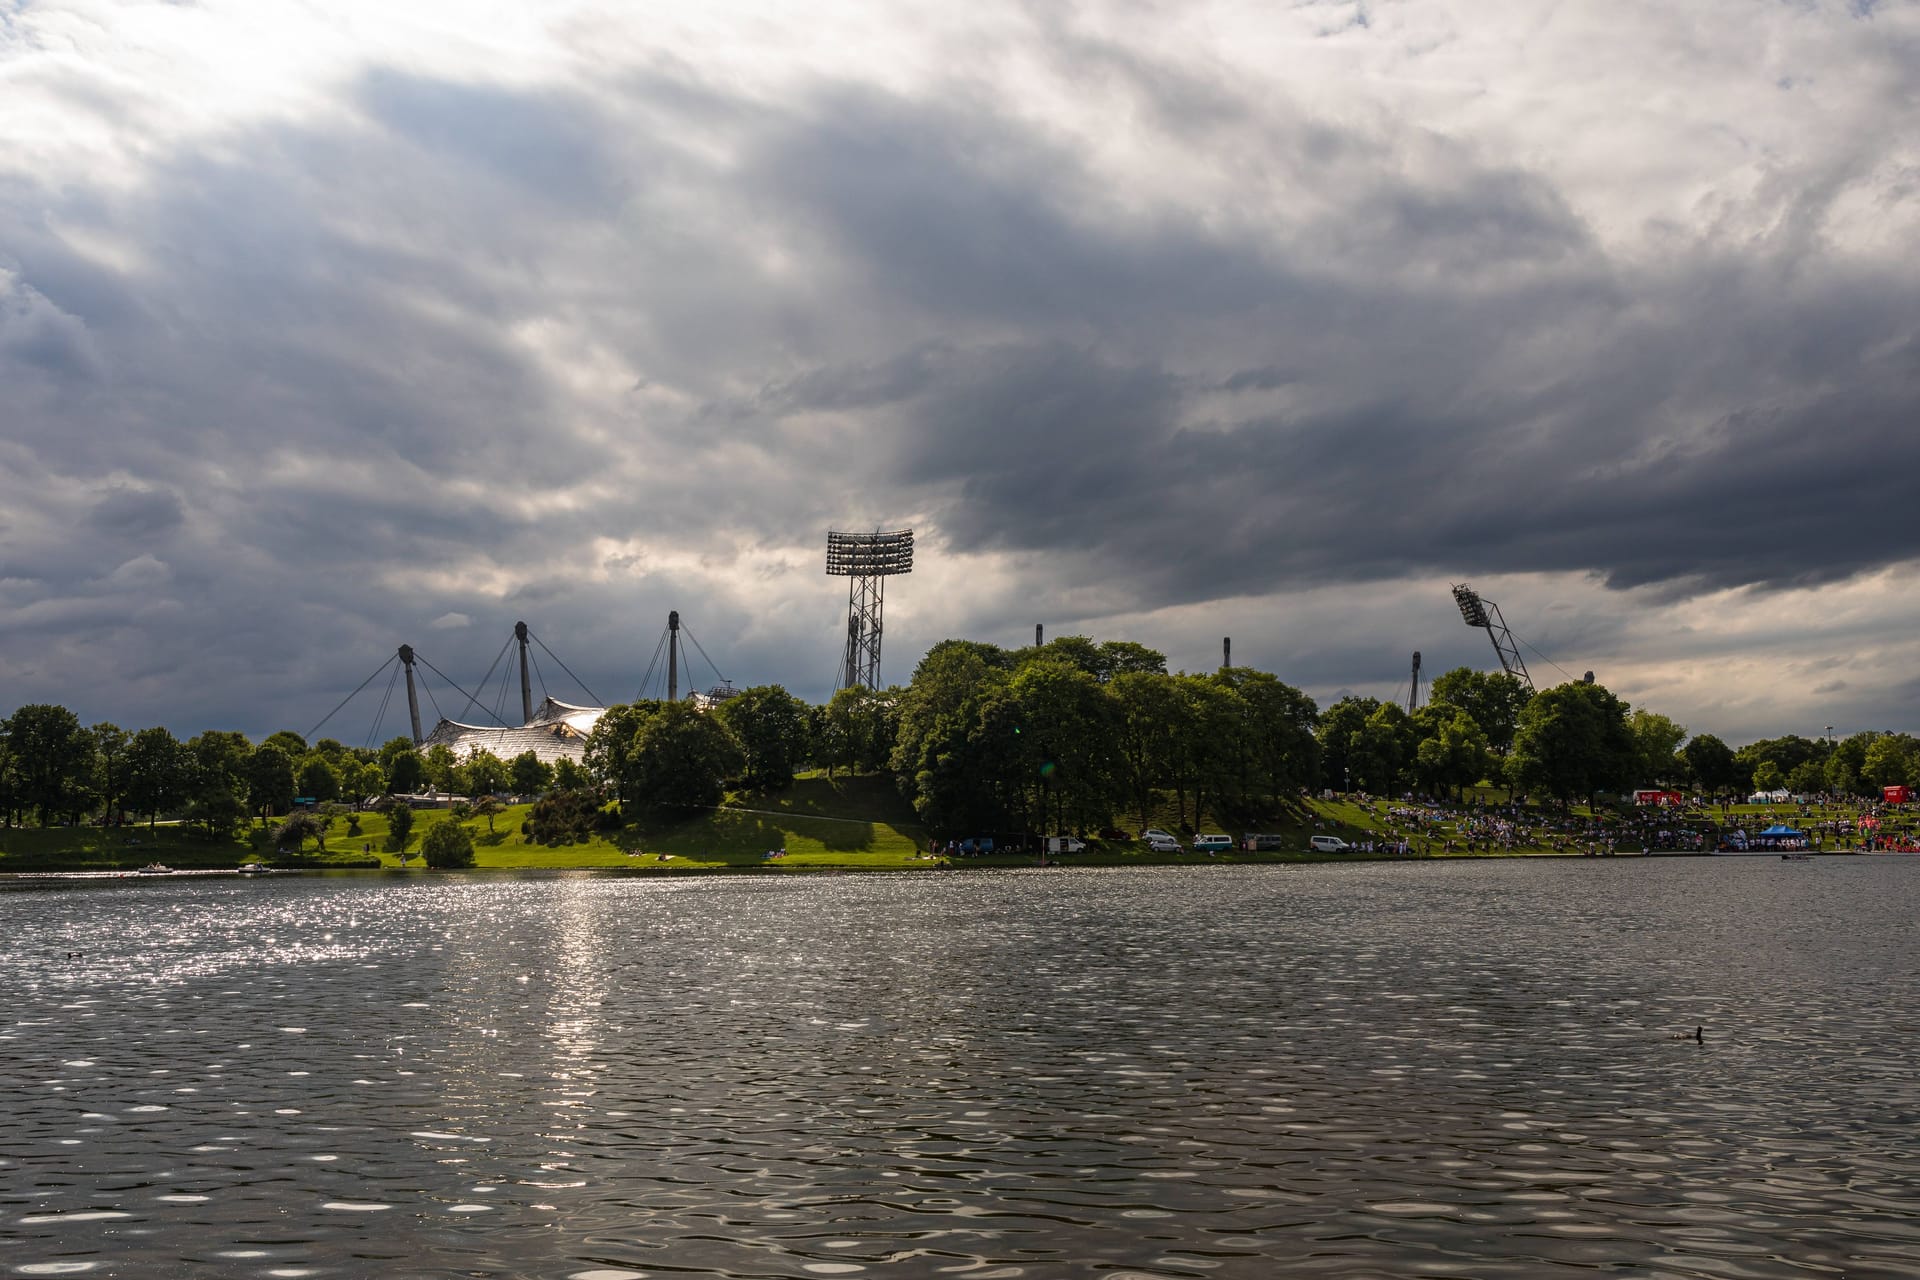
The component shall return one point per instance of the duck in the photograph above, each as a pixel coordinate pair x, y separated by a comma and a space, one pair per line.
1699, 1036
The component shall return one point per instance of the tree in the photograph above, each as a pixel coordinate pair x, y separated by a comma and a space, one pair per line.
1455, 755
608, 758
406, 770
290, 742
682, 758
297, 828
110, 744
1340, 728
486, 807
1657, 739
1767, 777
399, 822
1807, 777
1711, 764
530, 777
1383, 750
1278, 753
448, 845
568, 775
1573, 740
318, 779
1890, 761
856, 729
215, 781
1493, 699
771, 727
1147, 707
52, 757
486, 773
269, 780
1073, 724
441, 767
156, 771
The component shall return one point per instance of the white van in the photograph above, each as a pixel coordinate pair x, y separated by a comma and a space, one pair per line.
1064, 844
1213, 844
1328, 844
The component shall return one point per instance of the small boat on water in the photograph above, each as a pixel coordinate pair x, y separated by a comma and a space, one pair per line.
156, 869
1796, 857
254, 869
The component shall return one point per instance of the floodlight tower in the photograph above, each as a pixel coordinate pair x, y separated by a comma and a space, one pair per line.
1485, 613
868, 560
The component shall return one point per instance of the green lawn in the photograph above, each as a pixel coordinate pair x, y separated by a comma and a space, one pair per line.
845, 822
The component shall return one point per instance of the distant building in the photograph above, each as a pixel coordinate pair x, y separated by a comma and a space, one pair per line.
557, 730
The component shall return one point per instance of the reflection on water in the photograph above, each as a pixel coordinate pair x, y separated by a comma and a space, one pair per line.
1390, 1070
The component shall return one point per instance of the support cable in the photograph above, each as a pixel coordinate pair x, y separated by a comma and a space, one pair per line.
1544, 658
471, 700
593, 697
381, 714
703, 653
482, 686
350, 697
646, 681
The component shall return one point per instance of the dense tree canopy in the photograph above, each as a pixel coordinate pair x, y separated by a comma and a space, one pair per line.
1573, 740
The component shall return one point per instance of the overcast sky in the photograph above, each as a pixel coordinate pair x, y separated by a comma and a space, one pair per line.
329, 326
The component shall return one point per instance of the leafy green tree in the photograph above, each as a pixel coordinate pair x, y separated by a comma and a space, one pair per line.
1657, 739
529, 775
938, 715
1807, 777
442, 767
1340, 729
1840, 776
318, 778
448, 845
771, 726
215, 784
1147, 705
1278, 753
1073, 723
110, 744
682, 758
1768, 777
156, 772
1205, 740
487, 807
1455, 755
1786, 753
569, 776
608, 759
406, 772
856, 729
1711, 764
1573, 740
1493, 699
486, 773
299, 827
1890, 761
269, 780
399, 822
1383, 750
292, 743
53, 757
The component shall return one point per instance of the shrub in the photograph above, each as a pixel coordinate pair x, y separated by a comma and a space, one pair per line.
448, 844
564, 817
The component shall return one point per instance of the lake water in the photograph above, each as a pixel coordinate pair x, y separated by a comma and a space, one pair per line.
1443, 1070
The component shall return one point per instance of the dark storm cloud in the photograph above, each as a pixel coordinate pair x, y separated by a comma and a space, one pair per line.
331, 379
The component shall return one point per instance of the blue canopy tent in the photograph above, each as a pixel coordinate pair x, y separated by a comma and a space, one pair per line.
1781, 836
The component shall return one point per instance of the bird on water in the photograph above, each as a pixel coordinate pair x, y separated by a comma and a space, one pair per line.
1699, 1036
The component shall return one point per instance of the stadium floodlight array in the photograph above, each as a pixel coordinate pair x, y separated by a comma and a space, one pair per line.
861, 555
867, 560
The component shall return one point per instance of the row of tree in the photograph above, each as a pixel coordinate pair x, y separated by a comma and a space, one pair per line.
1065, 736
53, 769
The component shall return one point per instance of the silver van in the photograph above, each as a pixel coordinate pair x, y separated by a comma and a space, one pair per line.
1328, 844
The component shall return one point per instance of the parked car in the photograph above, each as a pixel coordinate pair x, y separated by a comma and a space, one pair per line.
1212, 844
1155, 833
1328, 844
1161, 842
1064, 844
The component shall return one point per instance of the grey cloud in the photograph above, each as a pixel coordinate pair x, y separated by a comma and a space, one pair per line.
467, 326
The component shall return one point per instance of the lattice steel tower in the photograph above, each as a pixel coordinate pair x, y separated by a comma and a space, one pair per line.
868, 559
1486, 614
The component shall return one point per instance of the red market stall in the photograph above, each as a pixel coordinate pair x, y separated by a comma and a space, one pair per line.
1896, 795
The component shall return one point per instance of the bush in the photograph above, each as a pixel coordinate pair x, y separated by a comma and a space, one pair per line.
563, 817
448, 844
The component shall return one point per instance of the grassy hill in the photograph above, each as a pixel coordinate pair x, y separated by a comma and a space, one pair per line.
849, 823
